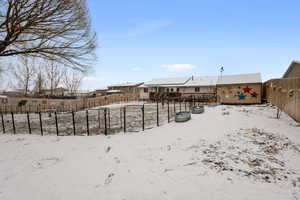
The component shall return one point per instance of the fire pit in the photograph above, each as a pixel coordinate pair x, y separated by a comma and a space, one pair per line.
197, 109
182, 116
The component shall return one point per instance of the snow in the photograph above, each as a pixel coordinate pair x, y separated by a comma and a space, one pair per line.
202, 81
213, 156
129, 84
168, 81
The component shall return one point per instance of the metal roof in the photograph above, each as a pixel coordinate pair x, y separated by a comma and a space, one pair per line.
168, 81
114, 91
129, 84
202, 81
239, 79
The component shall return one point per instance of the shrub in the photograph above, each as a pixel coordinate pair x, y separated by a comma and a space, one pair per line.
22, 102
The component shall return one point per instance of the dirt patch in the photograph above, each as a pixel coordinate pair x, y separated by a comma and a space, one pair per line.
252, 153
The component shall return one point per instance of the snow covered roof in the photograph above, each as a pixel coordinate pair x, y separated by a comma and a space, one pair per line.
142, 86
202, 81
168, 81
239, 79
129, 84
114, 91
101, 89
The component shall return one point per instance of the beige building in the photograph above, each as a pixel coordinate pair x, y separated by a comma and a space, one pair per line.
293, 71
231, 89
99, 92
55, 92
129, 88
201, 87
162, 88
240, 89
184, 87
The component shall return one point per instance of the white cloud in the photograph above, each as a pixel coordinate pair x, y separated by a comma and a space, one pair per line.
179, 67
136, 69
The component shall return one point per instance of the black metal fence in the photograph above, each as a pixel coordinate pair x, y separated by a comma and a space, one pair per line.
99, 120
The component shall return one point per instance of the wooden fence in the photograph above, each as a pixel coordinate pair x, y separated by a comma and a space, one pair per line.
63, 105
285, 94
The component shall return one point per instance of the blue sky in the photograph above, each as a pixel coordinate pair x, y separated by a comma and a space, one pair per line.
143, 39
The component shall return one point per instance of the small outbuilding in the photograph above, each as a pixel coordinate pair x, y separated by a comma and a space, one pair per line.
293, 71
239, 89
129, 88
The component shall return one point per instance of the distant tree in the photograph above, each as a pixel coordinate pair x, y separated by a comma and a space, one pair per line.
72, 80
39, 80
54, 74
23, 74
57, 30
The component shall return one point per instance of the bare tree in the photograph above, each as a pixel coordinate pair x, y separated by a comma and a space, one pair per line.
54, 74
39, 80
24, 74
72, 80
56, 30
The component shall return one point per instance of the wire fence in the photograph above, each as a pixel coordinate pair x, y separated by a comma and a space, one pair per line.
95, 121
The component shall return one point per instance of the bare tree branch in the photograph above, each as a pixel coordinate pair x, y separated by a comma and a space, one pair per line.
54, 74
39, 79
57, 30
24, 74
72, 80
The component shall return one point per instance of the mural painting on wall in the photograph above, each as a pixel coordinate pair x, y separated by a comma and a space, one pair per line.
243, 95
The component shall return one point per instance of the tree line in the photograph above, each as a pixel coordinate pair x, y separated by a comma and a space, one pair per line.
34, 76
51, 42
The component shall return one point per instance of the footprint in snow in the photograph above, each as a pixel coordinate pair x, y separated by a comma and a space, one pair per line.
46, 162
107, 149
109, 179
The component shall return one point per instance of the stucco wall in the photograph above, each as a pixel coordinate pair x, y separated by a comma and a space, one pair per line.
203, 89
186, 91
239, 93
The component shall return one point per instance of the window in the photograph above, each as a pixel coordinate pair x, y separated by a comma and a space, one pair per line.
145, 90
172, 90
197, 89
177, 90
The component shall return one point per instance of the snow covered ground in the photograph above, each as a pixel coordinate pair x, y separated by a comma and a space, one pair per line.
227, 153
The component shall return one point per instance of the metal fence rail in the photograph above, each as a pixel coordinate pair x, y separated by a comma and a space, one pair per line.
95, 121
